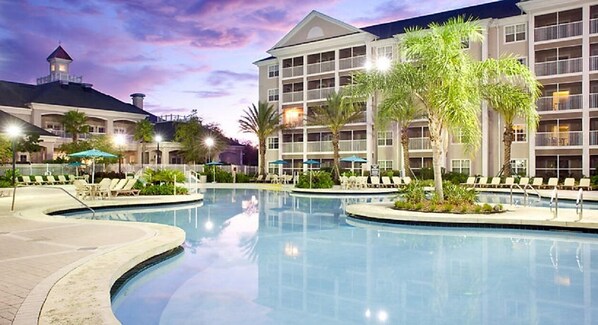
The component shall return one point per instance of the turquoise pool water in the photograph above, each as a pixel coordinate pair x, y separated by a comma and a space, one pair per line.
263, 257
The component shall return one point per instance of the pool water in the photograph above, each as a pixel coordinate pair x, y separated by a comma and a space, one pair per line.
266, 257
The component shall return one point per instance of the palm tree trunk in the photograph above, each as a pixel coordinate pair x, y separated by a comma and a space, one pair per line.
436, 142
405, 145
142, 152
262, 161
508, 137
336, 157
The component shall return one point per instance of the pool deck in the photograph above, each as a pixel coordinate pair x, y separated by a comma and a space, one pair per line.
60, 271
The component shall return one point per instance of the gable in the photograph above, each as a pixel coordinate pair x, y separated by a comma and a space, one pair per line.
316, 26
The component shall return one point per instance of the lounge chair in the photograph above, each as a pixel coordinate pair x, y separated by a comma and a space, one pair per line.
537, 182
259, 178
113, 182
585, 184
386, 181
568, 184
374, 181
39, 180
119, 185
407, 180
103, 188
509, 182
128, 188
482, 182
81, 189
344, 182
62, 180
72, 178
362, 182
495, 182
50, 180
552, 182
470, 182
396, 181
523, 182
26, 180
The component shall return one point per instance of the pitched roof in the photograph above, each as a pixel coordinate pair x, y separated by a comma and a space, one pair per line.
28, 128
498, 9
59, 53
56, 93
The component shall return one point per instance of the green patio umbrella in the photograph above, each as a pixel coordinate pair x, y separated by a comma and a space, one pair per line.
93, 154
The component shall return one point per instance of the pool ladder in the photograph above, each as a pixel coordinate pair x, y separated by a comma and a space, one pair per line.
554, 199
525, 193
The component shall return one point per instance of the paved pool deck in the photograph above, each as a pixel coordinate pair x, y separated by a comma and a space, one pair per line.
59, 271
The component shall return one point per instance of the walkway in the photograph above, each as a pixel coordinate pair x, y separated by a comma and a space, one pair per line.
56, 270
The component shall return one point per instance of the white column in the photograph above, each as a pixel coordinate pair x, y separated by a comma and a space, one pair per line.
585, 79
305, 111
485, 125
531, 137
369, 146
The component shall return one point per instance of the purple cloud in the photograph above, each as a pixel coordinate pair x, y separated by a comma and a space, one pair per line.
209, 93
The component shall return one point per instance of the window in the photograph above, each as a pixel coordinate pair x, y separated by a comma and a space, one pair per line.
385, 164
273, 71
273, 95
461, 166
465, 43
522, 60
385, 138
515, 33
272, 143
385, 51
458, 137
53, 126
519, 167
120, 130
61, 68
52, 67
520, 133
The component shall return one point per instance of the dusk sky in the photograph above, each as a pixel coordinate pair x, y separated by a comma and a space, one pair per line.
182, 54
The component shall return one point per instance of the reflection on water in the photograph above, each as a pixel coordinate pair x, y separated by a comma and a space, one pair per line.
263, 257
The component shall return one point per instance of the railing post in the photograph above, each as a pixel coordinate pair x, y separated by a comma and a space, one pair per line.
579, 204
554, 198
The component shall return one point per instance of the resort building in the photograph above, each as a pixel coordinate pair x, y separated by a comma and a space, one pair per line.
557, 39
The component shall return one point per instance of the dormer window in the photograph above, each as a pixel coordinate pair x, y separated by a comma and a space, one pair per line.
61, 68
52, 67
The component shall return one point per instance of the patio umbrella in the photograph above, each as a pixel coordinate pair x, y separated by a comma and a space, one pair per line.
279, 162
214, 163
354, 159
310, 163
93, 154
76, 164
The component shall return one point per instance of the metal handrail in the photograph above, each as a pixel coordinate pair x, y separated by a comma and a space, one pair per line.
554, 198
525, 195
93, 213
579, 204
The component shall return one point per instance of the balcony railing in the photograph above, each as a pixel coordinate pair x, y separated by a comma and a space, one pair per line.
320, 67
559, 139
558, 67
420, 144
320, 93
546, 33
593, 138
292, 147
352, 62
594, 100
291, 97
344, 145
547, 103
292, 71
594, 63
594, 26
57, 76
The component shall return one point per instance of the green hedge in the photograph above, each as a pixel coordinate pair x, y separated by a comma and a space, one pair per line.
319, 179
164, 189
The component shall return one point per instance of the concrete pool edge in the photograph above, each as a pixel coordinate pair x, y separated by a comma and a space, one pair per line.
79, 292
523, 218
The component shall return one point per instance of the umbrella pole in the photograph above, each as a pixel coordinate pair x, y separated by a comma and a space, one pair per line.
93, 170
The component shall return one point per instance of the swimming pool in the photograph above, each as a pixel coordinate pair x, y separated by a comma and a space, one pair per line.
263, 257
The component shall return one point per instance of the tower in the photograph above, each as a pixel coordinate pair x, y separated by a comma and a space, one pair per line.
59, 62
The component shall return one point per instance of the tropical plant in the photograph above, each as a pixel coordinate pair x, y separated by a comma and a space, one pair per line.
315, 179
192, 135
74, 123
167, 176
262, 120
512, 91
144, 133
5, 150
338, 111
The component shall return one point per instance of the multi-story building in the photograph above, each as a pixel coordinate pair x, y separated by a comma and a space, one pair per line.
557, 39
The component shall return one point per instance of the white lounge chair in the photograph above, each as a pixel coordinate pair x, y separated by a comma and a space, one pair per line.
495, 182
482, 182
470, 181
523, 182
396, 181
386, 181
509, 182
585, 184
569, 184
537, 182
374, 181
552, 182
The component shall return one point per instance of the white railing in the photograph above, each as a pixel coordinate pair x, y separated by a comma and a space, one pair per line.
546, 33
559, 139
344, 145
292, 71
320, 67
547, 103
594, 138
57, 76
594, 100
420, 144
594, 26
292, 147
352, 62
594, 62
558, 67
295, 96
320, 93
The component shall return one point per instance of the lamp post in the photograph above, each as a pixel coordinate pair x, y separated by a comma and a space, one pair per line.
14, 132
158, 153
209, 143
120, 141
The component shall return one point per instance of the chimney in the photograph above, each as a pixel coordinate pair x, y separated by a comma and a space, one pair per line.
138, 99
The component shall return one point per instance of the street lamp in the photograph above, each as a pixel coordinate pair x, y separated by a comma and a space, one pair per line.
209, 143
120, 140
158, 154
14, 131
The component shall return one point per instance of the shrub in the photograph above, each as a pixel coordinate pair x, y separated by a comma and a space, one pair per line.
164, 189
167, 176
414, 192
222, 176
319, 179
458, 195
243, 178
455, 177
486, 207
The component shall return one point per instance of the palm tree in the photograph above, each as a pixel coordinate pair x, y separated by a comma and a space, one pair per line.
192, 135
512, 91
263, 120
144, 133
74, 123
338, 111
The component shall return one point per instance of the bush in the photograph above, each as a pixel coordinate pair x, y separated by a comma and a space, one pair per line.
455, 177
98, 176
167, 176
414, 192
457, 195
594, 180
243, 178
319, 179
164, 189
222, 176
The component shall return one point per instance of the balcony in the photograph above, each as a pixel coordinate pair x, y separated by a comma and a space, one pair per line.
559, 139
292, 147
344, 146
292, 71
547, 33
292, 97
320, 93
594, 100
594, 26
594, 63
558, 67
547, 104
352, 62
320, 67
593, 138
420, 144
58, 76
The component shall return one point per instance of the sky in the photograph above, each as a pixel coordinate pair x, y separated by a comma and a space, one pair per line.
182, 54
